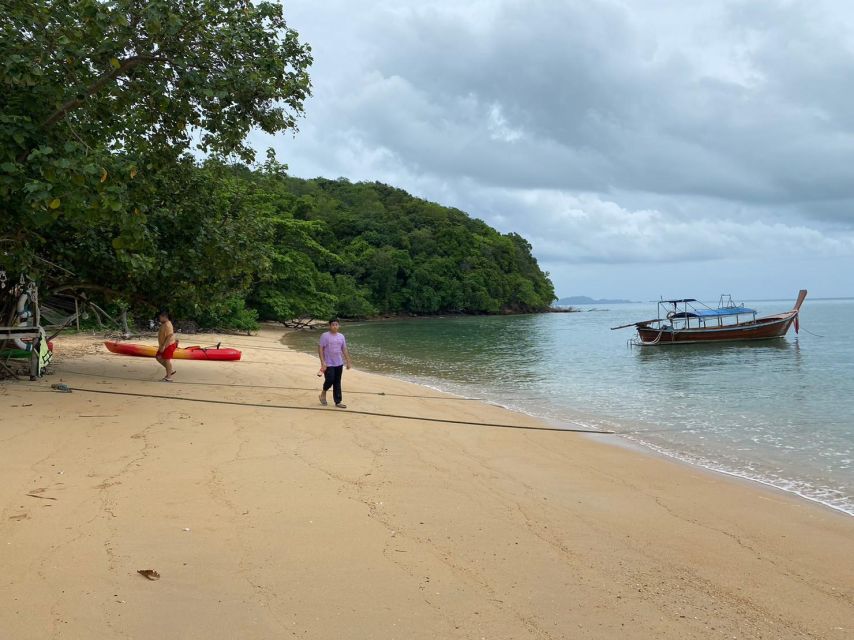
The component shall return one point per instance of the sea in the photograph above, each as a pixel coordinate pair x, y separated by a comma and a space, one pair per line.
778, 412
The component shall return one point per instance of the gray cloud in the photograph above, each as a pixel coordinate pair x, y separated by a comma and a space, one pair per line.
601, 97
607, 132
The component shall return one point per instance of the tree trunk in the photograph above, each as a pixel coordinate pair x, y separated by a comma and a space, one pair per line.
124, 319
97, 316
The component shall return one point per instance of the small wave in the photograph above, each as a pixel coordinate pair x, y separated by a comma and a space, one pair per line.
827, 496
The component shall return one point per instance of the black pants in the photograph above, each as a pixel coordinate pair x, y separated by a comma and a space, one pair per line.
332, 378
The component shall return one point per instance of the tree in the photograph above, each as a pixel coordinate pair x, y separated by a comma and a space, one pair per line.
98, 96
297, 282
220, 246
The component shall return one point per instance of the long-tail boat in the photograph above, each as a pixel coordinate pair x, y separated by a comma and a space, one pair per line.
689, 321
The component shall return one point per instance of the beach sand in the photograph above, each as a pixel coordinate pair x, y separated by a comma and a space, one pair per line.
278, 522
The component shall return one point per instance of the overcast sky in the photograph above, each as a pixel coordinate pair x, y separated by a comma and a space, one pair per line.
643, 147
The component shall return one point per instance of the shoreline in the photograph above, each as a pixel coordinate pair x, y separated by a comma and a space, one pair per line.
630, 441
264, 521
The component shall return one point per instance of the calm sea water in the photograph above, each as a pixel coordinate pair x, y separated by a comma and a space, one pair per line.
779, 412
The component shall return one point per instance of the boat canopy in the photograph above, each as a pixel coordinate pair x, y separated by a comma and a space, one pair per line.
712, 313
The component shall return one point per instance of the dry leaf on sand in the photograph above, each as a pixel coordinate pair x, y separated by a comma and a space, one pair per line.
151, 574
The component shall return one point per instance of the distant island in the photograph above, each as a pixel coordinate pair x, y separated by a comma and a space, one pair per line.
584, 300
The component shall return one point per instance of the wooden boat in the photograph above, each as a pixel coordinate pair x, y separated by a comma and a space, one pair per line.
185, 353
688, 321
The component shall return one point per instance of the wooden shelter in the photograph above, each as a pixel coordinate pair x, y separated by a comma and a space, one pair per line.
22, 337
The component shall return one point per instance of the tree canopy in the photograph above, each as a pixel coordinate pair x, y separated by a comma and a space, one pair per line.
98, 97
225, 245
107, 106
401, 254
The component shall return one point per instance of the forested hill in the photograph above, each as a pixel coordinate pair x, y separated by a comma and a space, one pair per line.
225, 246
401, 254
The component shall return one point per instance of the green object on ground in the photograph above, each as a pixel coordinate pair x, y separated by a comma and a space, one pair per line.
15, 353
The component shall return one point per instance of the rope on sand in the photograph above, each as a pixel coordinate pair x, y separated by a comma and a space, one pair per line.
350, 411
263, 386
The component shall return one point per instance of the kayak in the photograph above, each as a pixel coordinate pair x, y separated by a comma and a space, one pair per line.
181, 353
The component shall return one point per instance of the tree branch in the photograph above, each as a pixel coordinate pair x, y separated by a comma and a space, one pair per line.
94, 287
96, 86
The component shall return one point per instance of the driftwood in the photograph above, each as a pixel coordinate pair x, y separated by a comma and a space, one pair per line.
9, 371
300, 323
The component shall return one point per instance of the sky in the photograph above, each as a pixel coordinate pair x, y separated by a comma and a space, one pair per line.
645, 148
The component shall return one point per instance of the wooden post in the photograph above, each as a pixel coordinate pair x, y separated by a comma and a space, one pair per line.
36, 342
35, 346
76, 314
34, 300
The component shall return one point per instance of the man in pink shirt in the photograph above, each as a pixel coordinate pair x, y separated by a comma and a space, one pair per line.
333, 357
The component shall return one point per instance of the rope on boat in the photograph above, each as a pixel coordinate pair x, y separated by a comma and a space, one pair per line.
641, 343
657, 338
350, 411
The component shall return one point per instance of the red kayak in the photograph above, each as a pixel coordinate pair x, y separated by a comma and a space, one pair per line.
181, 353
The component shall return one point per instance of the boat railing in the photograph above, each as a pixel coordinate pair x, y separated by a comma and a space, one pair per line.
681, 313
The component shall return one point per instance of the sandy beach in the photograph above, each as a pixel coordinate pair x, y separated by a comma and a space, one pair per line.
268, 516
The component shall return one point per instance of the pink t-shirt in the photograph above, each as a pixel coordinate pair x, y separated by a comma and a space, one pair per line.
333, 348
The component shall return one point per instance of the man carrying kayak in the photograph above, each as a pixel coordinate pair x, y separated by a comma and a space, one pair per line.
333, 358
166, 344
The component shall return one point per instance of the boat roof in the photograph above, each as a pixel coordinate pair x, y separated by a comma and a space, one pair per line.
675, 301
714, 313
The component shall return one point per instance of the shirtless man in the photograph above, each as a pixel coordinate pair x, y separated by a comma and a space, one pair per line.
166, 344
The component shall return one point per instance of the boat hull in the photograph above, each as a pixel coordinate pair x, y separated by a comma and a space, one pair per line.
765, 328
186, 353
